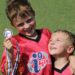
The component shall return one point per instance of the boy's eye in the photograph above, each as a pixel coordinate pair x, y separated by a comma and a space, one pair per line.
29, 20
58, 40
21, 24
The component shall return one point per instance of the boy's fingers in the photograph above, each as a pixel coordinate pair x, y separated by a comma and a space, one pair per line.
7, 44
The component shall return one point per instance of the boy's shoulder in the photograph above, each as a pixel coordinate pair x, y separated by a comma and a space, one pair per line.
15, 38
46, 31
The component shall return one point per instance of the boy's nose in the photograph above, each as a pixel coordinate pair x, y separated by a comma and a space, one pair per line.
26, 25
52, 42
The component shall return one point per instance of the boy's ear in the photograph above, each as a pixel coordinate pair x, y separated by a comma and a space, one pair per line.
70, 49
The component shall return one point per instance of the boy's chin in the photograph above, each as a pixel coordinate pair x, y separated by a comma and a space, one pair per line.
53, 53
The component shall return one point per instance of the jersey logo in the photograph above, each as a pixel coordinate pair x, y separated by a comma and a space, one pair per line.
38, 61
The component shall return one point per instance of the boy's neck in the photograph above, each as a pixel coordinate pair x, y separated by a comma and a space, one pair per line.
33, 35
61, 62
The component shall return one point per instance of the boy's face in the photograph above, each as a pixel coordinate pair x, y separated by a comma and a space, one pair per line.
59, 44
24, 21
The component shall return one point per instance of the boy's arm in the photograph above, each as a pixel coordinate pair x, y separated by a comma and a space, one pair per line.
8, 51
4, 63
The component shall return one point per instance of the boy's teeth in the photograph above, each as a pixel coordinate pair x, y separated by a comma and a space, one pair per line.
53, 48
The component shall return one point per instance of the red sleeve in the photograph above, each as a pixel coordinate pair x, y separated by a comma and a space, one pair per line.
3, 61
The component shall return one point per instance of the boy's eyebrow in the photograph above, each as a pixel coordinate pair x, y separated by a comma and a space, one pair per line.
20, 24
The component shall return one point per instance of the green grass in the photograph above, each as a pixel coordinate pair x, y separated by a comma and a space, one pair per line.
55, 14
52, 14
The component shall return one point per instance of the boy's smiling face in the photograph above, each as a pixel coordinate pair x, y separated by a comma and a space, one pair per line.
24, 21
59, 44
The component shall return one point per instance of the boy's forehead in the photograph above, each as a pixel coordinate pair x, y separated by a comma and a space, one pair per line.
61, 35
23, 8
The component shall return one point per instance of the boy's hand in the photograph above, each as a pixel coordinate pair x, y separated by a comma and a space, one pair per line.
7, 44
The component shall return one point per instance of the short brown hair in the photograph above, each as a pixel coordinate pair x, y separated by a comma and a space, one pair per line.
14, 5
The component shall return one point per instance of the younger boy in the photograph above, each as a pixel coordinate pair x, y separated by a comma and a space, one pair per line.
61, 46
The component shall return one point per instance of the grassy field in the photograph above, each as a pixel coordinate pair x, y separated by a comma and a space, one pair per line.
52, 14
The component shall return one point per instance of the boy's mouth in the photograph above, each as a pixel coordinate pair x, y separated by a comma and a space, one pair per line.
53, 48
28, 31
